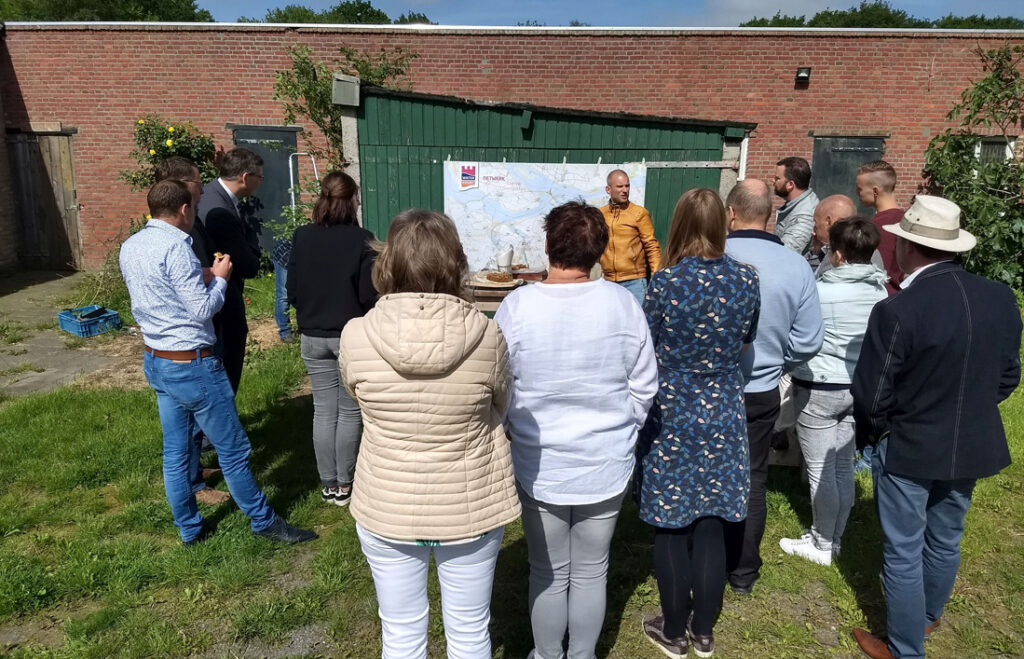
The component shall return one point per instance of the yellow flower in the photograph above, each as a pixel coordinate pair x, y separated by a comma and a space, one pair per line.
142, 121
148, 216
170, 129
152, 152
169, 142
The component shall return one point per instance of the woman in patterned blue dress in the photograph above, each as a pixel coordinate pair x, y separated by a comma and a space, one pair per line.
692, 459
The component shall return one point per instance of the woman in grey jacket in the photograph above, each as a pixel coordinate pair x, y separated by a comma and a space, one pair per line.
821, 390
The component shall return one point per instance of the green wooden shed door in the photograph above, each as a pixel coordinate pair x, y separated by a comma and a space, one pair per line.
403, 142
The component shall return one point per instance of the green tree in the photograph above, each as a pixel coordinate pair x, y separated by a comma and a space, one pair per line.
413, 17
102, 10
987, 185
349, 11
880, 14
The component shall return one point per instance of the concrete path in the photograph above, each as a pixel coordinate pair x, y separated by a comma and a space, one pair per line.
42, 357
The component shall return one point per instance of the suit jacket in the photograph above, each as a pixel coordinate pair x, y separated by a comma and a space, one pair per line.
938, 358
231, 235
201, 245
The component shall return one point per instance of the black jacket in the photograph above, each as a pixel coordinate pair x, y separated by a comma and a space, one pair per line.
938, 358
229, 234
329, 277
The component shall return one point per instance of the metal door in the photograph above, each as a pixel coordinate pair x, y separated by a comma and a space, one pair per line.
274, 144
46, 200
835, 165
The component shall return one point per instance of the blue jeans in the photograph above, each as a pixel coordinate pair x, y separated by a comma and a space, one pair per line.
922, 522
638, 287
864, 463
198, 392
284, 323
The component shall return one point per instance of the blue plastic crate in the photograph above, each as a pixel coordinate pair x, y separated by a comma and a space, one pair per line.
71, 321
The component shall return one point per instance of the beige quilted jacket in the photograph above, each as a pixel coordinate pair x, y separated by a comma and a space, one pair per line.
430, 374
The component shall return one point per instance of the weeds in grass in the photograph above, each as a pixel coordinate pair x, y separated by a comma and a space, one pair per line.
24, 367
11, 332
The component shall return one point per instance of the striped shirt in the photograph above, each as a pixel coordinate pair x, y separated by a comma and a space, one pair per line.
172, 305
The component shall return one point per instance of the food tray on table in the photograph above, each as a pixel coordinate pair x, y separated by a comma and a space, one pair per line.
493, 280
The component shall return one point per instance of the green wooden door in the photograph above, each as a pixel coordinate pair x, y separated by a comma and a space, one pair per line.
403, 141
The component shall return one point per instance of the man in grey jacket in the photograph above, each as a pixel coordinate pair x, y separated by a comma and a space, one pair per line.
794, 221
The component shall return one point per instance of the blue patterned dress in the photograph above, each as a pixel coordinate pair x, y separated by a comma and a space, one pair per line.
692, 457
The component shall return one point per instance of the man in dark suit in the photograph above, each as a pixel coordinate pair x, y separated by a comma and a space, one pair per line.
241, 172
938, 357
177, 168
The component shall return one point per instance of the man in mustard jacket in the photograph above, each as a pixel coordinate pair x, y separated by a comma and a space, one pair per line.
632, 246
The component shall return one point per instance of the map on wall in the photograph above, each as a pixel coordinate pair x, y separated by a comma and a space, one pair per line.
495, 204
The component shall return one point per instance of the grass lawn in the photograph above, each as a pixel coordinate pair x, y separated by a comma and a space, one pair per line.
91, 565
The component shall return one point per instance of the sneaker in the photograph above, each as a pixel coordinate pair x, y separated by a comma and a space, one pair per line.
804, 547
336, 495
703, 646
675, 648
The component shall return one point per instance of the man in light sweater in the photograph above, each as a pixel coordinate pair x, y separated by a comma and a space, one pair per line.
789, 332
794, 221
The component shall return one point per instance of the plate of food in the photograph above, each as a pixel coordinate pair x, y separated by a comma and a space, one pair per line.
492, 279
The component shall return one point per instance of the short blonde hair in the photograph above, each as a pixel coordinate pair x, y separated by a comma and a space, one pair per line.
698, 228
423, 254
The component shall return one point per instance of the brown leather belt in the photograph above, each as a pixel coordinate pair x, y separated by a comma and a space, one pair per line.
180, 355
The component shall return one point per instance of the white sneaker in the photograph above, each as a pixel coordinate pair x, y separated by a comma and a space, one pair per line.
804, 547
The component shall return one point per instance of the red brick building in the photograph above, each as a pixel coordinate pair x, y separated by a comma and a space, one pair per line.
97, 80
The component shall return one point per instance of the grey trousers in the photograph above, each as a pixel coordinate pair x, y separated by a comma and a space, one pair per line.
337, 422
568, 548
825, 430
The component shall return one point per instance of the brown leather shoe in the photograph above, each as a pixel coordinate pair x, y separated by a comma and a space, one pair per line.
931, 628
209, 472
871, 645
212, 497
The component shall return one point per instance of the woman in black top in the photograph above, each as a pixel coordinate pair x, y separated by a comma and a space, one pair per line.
329, 284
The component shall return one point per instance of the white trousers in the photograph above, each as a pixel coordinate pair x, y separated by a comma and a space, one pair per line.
466, 573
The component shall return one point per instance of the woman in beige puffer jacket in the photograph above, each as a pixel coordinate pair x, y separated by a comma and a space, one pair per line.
434, 473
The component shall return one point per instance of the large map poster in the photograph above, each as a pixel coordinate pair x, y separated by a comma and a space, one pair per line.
496, 204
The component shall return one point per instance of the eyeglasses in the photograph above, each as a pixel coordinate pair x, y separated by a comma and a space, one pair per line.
259, 176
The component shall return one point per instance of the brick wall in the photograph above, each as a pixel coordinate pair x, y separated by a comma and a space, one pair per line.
100, 79
10, 235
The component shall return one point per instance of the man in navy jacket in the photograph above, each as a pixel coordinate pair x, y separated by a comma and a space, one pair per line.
241, 172
938, 358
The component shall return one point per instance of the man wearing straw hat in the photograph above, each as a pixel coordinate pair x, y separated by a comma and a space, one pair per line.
937, 359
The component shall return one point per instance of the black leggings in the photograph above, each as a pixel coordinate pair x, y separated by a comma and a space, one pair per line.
690, 559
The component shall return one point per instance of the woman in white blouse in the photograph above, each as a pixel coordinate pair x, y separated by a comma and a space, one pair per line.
584, 377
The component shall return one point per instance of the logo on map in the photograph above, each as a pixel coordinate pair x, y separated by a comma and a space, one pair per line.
468, 179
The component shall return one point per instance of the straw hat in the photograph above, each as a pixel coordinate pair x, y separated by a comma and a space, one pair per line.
933, 222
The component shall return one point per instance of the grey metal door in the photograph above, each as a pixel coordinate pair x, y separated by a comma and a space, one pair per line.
835, 165
274, 144
46, 200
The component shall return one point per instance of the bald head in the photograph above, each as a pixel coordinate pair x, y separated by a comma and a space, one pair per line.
830, 210
749, 205
618, 187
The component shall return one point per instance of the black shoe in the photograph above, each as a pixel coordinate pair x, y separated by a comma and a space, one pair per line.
204, 533
282, 531
742, 589
675, 648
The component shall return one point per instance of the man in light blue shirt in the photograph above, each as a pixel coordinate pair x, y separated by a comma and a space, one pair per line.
789, 331
174, 305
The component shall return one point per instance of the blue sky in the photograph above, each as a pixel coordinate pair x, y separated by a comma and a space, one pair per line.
646, 13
